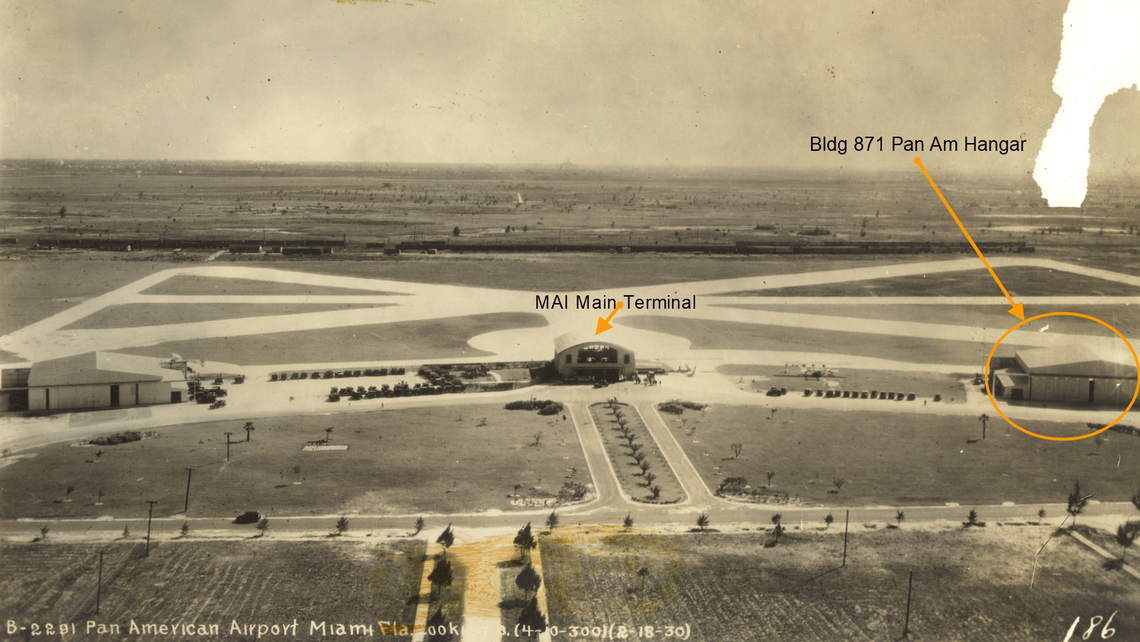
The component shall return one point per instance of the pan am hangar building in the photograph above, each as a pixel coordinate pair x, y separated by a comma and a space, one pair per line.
1073, 374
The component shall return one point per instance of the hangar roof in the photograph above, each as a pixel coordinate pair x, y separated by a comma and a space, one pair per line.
570, 339
99, 367
1078, 360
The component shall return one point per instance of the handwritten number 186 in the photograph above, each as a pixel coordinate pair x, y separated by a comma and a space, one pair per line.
1094, 622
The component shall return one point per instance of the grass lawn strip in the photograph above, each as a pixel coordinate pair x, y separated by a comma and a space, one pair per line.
415, 340
136, 315
1020, 281
257, 581
633, 482
429, 460
193, 285
1121, 317
732, 335
889, 459
968, 584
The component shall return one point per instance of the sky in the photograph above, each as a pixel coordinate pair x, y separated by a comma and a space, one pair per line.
664, 82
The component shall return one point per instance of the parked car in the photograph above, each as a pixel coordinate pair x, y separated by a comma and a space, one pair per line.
248, 517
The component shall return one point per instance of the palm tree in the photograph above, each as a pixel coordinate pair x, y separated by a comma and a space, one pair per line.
440, 576
703, 522
900, 516
341, 525
736, 449
655, 492
531, 619
328, 434
628, 521
1077, 500
263, 526
984, 418
419, 525
828, 520
1125, 535
248, 428
771, 474
524, 541
528, 580
552, 521
446, 539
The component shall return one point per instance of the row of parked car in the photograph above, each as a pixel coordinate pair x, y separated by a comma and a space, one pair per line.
863, 394
402, 389
335, 374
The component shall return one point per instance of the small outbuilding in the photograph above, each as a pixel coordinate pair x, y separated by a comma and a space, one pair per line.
578, 356
103, 380
1068, 374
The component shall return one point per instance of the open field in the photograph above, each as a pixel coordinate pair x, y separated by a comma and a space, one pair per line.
259, 581
194, 285
1124, 318
893, 458
969, 584
1019, 281
408, 340
430, 460
35, 289
924, 385
136, 315
730, 335
621, 457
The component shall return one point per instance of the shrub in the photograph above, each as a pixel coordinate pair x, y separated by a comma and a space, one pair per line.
571, 492
117, 438
543, 406
732, 486
676, 406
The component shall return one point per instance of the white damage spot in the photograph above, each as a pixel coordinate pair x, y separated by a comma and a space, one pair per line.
1100, 55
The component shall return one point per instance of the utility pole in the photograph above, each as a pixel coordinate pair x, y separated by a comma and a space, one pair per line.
186, 508
99, 586
846, 523
228, 445
149, 515
906, 625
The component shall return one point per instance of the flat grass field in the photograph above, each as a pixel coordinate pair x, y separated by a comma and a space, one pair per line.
406, 340
255, 581
194, 285
968, 585
892, 458
138, 315
426, 460
1124, 318
731, 335
1019, 281
36, 289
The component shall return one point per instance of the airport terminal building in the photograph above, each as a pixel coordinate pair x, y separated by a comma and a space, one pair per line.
1073, 374
584, 356
92, 380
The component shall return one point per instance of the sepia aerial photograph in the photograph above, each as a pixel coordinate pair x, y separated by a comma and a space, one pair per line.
553, 320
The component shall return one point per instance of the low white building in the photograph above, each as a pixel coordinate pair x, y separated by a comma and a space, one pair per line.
580, 355
1068, 374
102, 380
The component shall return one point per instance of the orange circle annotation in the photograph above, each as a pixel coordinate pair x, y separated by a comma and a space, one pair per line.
989, 392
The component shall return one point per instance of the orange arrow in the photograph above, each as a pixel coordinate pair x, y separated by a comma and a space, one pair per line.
604, 324
1018, 309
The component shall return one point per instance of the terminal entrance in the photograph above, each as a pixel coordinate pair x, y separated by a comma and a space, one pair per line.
609, 375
